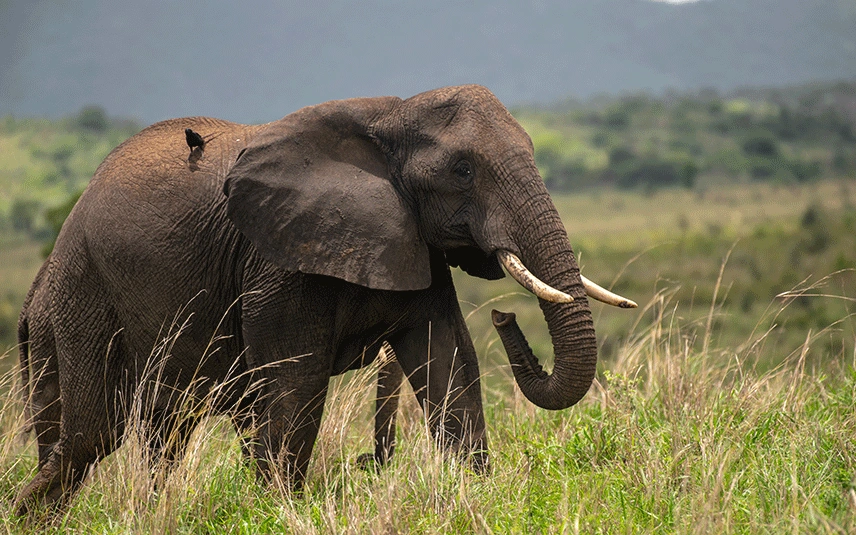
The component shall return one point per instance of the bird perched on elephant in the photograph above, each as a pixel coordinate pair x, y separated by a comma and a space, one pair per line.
290, 252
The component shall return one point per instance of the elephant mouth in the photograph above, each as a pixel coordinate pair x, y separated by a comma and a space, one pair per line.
475, 262
525, 278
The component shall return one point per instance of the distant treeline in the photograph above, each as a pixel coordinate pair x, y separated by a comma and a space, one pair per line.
642, 141
703, 138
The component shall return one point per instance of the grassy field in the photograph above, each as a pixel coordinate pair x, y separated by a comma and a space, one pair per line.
719, 407
669, 440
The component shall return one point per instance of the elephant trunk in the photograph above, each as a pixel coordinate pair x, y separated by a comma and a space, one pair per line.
546, 252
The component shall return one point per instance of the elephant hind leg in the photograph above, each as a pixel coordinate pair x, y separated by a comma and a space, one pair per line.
91, 422
389, 379
67, 464
44, 489
45, 404
39, 368
54, 483
46, 418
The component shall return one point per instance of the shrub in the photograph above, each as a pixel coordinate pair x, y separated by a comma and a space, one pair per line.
617, 118
761, 143
54, 218
92, 118
621, 155
805, 171
815, 237
762, 168
651, 171
23, 215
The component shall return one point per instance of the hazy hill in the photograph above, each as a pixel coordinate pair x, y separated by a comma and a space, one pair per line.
249, 61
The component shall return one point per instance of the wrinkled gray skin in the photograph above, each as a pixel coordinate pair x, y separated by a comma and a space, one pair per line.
294, 249
42, 387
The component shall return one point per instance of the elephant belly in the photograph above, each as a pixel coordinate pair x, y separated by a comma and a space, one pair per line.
358, 351
177, 330
187, 341
364, 328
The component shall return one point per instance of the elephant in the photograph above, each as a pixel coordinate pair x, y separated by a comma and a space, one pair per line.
287, 253
36, 350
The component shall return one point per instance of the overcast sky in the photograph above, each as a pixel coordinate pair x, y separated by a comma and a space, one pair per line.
254, 61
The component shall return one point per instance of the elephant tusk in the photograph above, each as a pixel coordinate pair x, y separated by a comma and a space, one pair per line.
529, 281
605, 296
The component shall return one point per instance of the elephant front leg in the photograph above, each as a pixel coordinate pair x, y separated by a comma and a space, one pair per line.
288, 427
440, 361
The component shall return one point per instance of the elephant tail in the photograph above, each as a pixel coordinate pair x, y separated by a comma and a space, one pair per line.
24, 360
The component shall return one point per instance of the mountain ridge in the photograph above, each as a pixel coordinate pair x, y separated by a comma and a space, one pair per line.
255, 63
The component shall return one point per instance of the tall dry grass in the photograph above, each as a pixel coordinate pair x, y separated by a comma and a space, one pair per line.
670, 439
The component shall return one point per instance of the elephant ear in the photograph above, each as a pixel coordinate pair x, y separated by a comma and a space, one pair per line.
313, 193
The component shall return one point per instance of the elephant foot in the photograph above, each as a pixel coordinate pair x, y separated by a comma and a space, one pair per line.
53, 485
44, 491
370, 462
480, 462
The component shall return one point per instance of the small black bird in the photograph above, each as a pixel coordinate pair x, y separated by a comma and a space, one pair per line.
193, 139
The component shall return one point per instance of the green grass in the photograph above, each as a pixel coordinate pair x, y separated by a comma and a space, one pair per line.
668, 440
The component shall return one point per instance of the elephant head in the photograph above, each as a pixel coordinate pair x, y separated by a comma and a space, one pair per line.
364, 189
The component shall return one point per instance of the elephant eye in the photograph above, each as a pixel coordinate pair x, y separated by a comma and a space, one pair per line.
464, 169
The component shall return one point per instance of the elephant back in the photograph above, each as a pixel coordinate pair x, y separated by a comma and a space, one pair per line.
154, 204
159, 155
154, 179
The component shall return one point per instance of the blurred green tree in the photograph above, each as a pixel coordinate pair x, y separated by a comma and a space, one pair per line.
23, 214
54, 218
93, 119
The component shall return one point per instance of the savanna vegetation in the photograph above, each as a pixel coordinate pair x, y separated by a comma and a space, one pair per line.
44, 165
697, 140
726, 403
